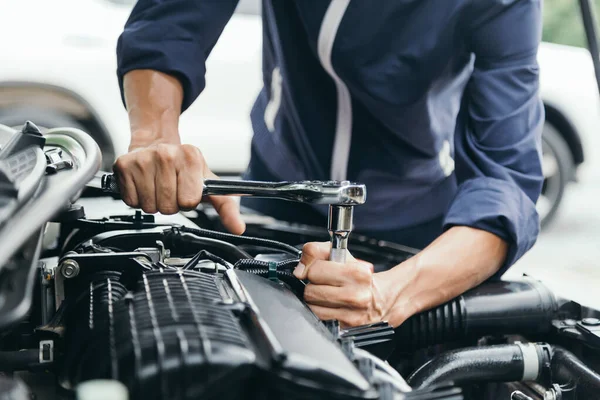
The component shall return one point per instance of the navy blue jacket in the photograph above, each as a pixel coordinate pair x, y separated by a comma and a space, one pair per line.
433, 104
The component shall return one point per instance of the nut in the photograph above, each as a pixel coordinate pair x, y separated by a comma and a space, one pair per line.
69, 268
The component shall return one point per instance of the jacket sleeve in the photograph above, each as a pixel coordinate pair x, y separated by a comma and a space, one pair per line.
498, 138
174, 37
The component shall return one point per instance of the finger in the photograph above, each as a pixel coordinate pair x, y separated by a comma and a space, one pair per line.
336, 274
311, 253
127, 190
337, 297
165, 182
327, 313
126, 185
190, 180
347, 318
228, 209
144, 185
319, 250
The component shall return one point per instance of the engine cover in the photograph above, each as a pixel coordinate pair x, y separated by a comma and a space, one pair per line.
186, 335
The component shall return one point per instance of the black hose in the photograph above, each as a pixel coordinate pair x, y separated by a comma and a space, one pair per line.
507, 363
500, 307
284, 265
235, 239
567, 369
502, 363
18, 360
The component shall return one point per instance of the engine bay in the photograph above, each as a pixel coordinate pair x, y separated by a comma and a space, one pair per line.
98, 300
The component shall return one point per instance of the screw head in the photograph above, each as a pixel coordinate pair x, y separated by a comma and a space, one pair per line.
69, 268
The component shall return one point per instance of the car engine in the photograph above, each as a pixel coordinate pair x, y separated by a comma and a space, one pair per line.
100, 301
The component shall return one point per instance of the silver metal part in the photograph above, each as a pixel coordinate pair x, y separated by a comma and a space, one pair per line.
531, 361
314, 192
550, 395
69, 268
341, 196
339, 225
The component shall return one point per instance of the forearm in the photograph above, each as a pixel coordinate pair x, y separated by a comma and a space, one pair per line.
153, 102
457, 261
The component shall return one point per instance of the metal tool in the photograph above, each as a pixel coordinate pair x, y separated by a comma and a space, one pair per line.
341, 197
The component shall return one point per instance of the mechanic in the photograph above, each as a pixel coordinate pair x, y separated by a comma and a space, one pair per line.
434, 105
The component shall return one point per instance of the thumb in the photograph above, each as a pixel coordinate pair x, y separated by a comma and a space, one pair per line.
229, 210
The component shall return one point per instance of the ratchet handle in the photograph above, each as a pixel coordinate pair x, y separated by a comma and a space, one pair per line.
316, 192
214, 187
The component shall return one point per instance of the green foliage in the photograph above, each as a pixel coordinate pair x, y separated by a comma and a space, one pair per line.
563, 24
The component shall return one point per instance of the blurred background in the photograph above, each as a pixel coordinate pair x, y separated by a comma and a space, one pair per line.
66, 77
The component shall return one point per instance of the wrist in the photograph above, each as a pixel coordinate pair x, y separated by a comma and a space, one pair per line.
397, 285
148, 137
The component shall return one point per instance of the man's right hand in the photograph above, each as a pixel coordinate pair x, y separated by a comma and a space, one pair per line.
159, 174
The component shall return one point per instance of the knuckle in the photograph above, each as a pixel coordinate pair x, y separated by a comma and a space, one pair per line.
121, 164
310, 249
164, 154
361, 274
191, 152
141, 160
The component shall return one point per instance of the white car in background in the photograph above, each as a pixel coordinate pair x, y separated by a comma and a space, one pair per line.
59, 62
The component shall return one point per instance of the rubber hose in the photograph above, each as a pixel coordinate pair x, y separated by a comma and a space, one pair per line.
499, 307
503, 363
568, 369
18, 360
243, 239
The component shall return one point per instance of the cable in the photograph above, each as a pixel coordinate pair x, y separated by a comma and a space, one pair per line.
235, 239
203, 254
284, 265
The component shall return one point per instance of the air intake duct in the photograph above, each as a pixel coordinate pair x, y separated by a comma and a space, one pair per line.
497, 307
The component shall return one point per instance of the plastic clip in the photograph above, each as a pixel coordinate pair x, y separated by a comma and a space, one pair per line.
273, 272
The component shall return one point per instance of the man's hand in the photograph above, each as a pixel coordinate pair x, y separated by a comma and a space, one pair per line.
350, 292
457, 261
167, 178
159, 173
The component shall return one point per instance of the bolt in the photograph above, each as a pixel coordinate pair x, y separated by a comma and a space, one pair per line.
69, 268
550, 395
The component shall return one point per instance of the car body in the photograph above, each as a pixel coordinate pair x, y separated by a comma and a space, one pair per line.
69, 73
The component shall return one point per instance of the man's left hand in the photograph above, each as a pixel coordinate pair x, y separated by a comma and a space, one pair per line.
351, 293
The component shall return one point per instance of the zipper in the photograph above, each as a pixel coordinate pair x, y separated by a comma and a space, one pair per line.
343, 130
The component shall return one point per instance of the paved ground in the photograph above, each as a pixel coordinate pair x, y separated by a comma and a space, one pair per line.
567, 255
